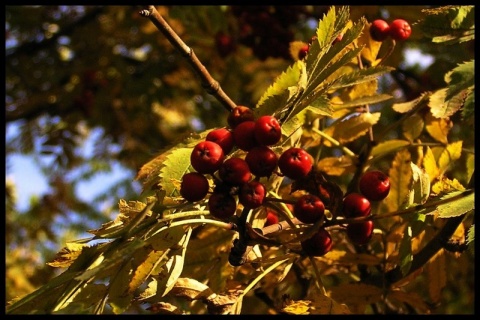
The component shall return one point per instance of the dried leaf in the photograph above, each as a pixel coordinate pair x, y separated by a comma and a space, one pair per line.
191, 289
437, 276
411, 298
336, 166
446, 185
356, 295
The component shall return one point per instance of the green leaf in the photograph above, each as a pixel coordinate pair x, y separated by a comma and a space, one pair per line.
457, 207
388, 146
405, 251
449, 24
360, 76
176, 164
469, 105
460, 78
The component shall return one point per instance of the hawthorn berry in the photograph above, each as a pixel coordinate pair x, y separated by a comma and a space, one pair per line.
400, 30
238, 115
379, 30
356, 205
223, 137
234, 171
207, 157
244, 135
374, 185
262, 161
252, 194
272, 218
302, 52
267, 130
295, 163
309, 209
194, 186
319, 244
361, 232
225, 43
222, 205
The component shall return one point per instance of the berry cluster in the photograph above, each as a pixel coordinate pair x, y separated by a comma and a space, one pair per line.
373, 186
398, 29
239, 177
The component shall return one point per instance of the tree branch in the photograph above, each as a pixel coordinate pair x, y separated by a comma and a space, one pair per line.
207, 81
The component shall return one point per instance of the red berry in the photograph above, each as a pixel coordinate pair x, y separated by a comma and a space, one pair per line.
272, 218
379, 30
356, 205
252, 194
244, 135
338, 39
361, 232
319, 244
262, 161
400, 30
267, 130
374, 185
223, 137
234, 171
225, 44
309, 209
194, 186
295, 163
302, 53
207, 157
222, 205
238, 115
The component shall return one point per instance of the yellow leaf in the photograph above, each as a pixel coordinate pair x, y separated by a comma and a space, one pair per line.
344, 257
364, 89
437, 276
413, 127
322, 304
370, 49
297, 307
352, 128
446, 185
438, 128
451, 153
336, 166
388, 146
400, 174
430, 165
65, 257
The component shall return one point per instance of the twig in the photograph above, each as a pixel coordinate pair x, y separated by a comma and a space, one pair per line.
207, 81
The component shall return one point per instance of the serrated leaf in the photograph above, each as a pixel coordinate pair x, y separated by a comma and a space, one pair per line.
65, 257
438, 128
286, 79
362, 101
470, 165
450, 154
359, 76
449, 24
469, 105
470, 238
412, 128
146, 264
460, 78
404, 107
388, 146
440, 107
446, 185
176, 164
352, 128
457, 207
165, 237
400, 174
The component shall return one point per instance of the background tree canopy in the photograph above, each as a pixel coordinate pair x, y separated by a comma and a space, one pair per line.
105, 73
